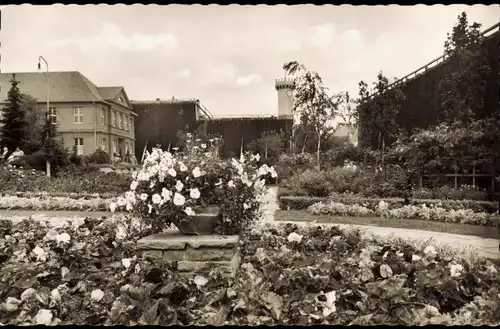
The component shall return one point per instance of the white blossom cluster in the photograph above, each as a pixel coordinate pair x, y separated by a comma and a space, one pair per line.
160, 165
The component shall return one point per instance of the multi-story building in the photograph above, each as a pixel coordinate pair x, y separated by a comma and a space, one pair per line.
87, 116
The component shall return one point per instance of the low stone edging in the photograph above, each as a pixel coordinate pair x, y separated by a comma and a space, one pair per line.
193, 253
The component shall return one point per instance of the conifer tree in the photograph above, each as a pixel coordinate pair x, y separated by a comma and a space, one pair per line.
13, 121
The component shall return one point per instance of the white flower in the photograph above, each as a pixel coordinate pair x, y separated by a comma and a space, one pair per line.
200, 281
40, 253
97, 295
175, 148
246, 206
121, 201
273, 172
295, 237
182, 167
63, 237
255, 157
64, 271
129, 207
27, 294
430, 251
11, 304
172, 172
196, 172
156, 198
112, 206
127, 262
189, 211
144, 197
43, 317
415, 258
203, 146
230, 183
133, 185
329, 305
219, 182
121, 232
55, 295
194, 193
179, 186
166, 194
179, 199
456, 269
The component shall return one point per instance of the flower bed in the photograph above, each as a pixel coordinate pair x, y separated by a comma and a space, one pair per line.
294, 202
71, 181
61, 195
382, 209
86, 272
48, 202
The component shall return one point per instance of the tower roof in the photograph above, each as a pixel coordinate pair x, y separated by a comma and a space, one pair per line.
283, 83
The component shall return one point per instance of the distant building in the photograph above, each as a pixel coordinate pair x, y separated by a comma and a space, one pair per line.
159, 121
87, 116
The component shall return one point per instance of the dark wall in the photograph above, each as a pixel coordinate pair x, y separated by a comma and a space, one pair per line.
158, 123
420, 109
233, 130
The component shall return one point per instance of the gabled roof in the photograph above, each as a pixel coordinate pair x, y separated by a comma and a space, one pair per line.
109, 93
64, 87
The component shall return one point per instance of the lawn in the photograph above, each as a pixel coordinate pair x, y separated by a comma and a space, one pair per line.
414, 224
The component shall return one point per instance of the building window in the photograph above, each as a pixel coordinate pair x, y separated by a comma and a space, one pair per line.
103, 144
130, 124
125, 126
103, 117
78, 115
114, 118
79, 146
115, 146
52, 115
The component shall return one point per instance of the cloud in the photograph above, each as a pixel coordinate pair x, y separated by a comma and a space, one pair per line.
185, 73
112, 36
219, 73
248, 79
322, 35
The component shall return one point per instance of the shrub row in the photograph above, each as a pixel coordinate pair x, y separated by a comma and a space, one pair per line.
289, 202
71, 181
434, 213
86, 273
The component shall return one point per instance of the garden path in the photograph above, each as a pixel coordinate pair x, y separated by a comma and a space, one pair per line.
484, 247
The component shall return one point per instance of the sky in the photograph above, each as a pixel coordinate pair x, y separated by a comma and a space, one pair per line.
228, 57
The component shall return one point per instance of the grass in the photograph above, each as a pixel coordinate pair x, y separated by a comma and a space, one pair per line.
413, 224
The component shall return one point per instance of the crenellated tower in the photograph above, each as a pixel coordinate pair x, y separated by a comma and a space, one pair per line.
284, 86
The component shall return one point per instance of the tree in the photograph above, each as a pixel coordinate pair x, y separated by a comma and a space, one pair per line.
314, 105
462, 89
34, 124
269, 144
377, 114
13, 120
56, 155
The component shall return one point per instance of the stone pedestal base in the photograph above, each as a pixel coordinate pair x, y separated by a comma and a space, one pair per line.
193, 253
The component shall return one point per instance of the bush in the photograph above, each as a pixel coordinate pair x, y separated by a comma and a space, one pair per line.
291, 202
465, 192
87, 272
386, 210
98, 157
69, 180
289, 165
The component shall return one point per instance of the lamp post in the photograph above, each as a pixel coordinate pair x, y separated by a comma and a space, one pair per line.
40, 58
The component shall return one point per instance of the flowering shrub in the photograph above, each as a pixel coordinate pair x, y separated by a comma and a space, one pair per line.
89, 272
434, 212
168, 188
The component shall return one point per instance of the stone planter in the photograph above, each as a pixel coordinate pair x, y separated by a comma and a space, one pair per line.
204, 222
191, 252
